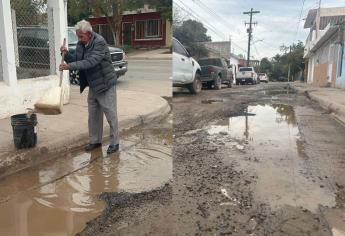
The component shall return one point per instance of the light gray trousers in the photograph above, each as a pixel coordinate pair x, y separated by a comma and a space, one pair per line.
97, 105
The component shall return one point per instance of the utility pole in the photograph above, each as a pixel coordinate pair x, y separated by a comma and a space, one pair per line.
289, 66
318, 20
250, 30
229, 47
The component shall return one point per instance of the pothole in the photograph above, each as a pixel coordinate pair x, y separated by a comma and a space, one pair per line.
270, 138
59, 197
210, 101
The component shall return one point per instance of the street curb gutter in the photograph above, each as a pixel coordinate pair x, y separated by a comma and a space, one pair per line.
30, 157
336, 110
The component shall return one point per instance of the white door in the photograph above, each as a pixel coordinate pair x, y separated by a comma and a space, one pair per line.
182, 63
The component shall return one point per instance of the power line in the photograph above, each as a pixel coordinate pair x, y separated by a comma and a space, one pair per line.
257, 52
299, 20
200, 19
211, 12
196, 16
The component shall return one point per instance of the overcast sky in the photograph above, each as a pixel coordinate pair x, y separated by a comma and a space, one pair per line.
279, 21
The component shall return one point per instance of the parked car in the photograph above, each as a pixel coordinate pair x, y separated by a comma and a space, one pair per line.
263, 77
215, 71
246, 75
186, 70
33, 50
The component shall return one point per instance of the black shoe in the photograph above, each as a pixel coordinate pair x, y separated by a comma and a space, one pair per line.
113, 148
92, 146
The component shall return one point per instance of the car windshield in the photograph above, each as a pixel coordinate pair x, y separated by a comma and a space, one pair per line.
261, 74
72, 37
207, 62
246, 69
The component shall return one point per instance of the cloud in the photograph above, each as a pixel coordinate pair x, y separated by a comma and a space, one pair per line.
280, 22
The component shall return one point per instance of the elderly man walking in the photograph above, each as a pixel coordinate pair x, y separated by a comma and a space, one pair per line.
92, 59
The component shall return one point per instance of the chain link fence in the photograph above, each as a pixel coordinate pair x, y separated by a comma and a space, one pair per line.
32, 32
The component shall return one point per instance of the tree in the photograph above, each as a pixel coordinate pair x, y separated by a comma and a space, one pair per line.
30, 12
77, 10
179, 17
265, 65
190, 34
279, 65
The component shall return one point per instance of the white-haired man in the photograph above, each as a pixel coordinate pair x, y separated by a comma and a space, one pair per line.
92, 59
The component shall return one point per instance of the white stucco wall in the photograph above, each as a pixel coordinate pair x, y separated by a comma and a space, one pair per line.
16, 96
234, 62
168, 34
17, 99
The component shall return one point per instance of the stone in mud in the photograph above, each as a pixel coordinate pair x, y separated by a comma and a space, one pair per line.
240, 147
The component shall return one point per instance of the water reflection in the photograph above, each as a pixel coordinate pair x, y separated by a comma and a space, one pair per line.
275, 153
265, 117
59, 197
60, 207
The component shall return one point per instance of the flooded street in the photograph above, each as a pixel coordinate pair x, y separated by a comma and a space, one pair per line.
251, 160
257, 160
269, 135
60, 196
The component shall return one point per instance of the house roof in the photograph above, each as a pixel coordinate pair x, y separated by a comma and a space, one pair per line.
332, 15
145, 9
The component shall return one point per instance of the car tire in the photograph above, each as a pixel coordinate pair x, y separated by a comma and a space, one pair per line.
196, 86
230, 84
218, 83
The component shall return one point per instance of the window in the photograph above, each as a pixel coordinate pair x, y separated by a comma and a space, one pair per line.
148, 29
140, 29
178, 48
72, 37
153, 28
246, 69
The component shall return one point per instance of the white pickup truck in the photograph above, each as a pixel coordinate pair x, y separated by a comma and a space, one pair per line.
246, 75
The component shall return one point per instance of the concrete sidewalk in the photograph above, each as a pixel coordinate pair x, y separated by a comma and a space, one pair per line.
331, 99
58, 134
157, 54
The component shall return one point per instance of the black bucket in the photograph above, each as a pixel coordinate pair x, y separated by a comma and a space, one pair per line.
24, 130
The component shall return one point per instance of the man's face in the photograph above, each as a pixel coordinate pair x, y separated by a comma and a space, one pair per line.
84, 38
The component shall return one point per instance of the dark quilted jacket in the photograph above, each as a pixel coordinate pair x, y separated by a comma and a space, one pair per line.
95, 69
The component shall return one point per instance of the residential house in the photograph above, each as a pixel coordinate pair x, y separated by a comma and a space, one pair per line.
324, 47
254, 63
141, 28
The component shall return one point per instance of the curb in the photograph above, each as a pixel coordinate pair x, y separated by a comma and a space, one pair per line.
337, 111
26, 158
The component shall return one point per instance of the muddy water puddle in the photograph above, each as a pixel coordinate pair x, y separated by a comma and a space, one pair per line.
210, 101
59, 197
269, 139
